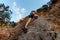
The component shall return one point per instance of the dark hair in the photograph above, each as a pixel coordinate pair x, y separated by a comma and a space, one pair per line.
32, 12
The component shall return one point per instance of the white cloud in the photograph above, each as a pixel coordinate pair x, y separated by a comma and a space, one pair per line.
18, 11
23, 10
14, 3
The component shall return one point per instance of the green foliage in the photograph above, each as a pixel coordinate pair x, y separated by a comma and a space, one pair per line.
46, 6
40, 9
12, 24
5, 14
53, 1
43, 8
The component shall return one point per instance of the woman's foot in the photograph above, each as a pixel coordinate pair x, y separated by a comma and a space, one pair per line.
24, 30
26, 27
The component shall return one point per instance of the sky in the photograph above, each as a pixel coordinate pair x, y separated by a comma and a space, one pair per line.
22, 8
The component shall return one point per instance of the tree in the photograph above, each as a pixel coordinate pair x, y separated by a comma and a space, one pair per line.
40, 9
53, 1
49, 3
5, 14
12, 24
45, 7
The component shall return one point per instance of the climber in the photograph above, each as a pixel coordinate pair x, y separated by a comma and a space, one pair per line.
32, 15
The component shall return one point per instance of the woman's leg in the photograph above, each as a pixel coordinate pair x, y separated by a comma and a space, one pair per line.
29, 20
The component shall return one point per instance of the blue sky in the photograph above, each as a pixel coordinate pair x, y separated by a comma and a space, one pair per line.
22, 8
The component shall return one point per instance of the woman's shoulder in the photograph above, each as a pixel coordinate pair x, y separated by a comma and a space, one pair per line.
31, 15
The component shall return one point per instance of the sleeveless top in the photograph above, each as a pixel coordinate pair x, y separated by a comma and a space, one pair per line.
32, 16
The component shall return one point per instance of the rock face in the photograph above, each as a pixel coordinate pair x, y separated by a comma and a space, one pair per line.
39, 30
45, 28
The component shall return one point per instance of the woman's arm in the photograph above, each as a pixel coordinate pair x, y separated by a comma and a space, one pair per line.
29, 20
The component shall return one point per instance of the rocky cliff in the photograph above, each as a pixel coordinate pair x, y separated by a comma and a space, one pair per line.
45, 28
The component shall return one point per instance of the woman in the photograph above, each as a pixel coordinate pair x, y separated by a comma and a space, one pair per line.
33, 15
